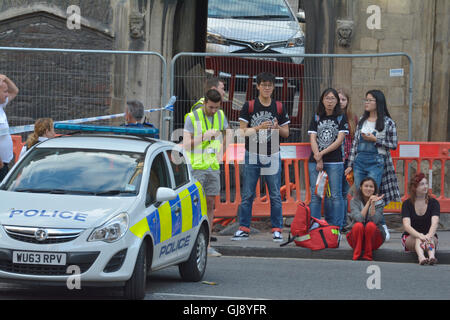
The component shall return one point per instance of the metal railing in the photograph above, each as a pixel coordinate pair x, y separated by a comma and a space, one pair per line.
317, 74
68, 84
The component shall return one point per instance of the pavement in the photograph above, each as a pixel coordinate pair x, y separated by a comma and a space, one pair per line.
261, 245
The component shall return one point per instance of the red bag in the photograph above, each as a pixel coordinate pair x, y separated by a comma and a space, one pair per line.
312, 233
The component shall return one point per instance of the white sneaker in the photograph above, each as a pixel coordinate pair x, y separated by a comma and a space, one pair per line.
213, 252
277, 236
240, 235
386, 230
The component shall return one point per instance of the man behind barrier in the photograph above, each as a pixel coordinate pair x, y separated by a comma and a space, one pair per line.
210, 83
202, 137
262, 121
8, 91
134, 113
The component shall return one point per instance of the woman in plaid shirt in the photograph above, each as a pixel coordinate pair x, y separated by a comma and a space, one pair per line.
375, 136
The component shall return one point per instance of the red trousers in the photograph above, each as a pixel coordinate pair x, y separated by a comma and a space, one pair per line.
367, 238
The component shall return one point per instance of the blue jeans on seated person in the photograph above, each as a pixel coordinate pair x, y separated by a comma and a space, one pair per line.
334, 205
270, 172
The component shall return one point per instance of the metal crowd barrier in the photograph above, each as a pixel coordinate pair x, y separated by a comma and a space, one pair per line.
298, 86
71, 83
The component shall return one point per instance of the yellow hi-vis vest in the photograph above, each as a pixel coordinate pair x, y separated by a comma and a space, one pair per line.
203, 155
199, 104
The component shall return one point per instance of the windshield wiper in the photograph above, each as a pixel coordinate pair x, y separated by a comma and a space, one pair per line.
113, 192
262, 17
40, 190
54, 191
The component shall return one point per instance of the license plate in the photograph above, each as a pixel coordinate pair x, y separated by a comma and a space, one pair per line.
46, 258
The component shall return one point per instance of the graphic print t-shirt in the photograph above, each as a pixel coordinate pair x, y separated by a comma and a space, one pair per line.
263, 138
327, 129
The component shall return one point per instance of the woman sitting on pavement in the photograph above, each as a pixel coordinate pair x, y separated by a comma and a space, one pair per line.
366, 230
43, 130
420, 215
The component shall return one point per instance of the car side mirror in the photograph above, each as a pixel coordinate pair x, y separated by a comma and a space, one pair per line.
301, 16
165, 194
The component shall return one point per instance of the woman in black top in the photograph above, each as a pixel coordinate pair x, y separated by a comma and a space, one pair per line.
420, 214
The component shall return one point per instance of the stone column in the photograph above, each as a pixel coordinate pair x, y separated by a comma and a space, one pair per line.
439, 118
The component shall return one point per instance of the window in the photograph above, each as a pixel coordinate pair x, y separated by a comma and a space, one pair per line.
159, 177
79, 171
179, 167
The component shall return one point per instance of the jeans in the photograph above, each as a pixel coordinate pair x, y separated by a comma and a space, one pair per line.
345, 190
368, 164
253, 170
334, 205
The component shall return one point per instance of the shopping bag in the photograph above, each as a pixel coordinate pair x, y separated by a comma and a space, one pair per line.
350, 178
321, 184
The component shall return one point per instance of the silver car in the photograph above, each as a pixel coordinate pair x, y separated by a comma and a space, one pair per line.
254, 26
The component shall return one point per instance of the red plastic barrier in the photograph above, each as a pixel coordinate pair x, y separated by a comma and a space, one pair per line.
295, 156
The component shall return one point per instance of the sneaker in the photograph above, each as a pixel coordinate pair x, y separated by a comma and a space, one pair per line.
240, 235
213, 252
388, 235
277, 236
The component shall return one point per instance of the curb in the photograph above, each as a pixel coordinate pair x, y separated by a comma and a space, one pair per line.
381, 255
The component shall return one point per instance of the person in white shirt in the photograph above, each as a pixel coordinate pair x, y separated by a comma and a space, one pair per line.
8, 91
43, 130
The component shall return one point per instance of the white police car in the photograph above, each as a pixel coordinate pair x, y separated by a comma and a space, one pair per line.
113, 206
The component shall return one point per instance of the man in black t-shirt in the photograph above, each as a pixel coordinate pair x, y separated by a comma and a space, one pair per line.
262, 122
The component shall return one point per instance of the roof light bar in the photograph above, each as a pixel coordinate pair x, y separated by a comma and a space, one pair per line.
144, 131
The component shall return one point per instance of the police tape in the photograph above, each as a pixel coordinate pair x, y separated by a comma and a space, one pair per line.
30, 127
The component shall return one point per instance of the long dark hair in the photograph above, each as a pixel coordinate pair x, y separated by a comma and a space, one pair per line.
382, 110
360, 194
321, 107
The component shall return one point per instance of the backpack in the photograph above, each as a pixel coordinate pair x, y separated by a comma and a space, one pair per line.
251, 107
312, 233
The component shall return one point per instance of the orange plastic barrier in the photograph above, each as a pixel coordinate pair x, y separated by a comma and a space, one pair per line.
17, 146
295, 156
419, 153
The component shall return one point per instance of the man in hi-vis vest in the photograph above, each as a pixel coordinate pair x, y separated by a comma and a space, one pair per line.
203, 139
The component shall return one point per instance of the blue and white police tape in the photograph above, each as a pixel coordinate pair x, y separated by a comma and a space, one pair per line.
30, 127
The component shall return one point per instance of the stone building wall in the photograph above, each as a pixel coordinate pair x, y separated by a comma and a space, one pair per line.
108, 80
60, 86
406, 26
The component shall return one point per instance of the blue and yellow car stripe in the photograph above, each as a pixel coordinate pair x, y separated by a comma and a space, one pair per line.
164, 222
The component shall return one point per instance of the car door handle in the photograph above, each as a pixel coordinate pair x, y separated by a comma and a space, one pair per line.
177, 211
196, 200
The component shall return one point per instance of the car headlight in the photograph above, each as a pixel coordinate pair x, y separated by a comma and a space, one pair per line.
112, 230
296, 41
216, 38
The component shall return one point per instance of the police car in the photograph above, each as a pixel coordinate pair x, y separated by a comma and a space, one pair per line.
111, 206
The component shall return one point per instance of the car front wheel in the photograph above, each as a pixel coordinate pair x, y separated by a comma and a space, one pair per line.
194, 268
135, 287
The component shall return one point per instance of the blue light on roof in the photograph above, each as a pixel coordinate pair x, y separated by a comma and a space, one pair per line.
143, 131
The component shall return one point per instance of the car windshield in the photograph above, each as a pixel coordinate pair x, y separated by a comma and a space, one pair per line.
78, 171
249, 9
